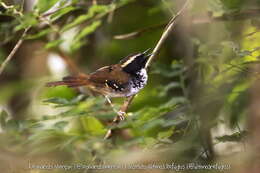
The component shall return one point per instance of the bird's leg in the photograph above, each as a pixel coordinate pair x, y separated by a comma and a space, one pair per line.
120, 115
111, 104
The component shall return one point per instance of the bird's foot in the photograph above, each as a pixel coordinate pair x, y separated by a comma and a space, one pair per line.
120, 117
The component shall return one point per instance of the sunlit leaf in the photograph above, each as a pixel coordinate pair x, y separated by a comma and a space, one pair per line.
53, 44
149, 142
165, 134
26, 21
44, 5
91, 12
57, 101
39, 34
62, 12
85, 31
60, 91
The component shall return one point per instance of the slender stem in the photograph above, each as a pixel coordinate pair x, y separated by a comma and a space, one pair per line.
158, 46
10, 56
165, 34
11, 7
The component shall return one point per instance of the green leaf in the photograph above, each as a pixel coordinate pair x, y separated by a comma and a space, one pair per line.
28, 20
80, 19
149, 142
175, 121
151, 128
86, 31
61, 101
62, 12
165, 89
39, 34
148, 114
77, 45
164, 70
233, 4
53, 44
44, 5
92, 125
60, 91
165, 134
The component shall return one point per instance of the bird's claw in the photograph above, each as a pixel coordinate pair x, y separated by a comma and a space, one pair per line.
120, 116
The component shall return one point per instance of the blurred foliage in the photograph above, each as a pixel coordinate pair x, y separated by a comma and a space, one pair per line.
200, 82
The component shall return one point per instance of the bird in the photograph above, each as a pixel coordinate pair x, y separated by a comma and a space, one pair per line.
123, 79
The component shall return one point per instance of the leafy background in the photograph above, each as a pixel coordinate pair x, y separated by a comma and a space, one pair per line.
200, 104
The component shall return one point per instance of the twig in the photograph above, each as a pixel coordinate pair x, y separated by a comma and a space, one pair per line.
10, 56
111, 14
22, 6
165, 34
155, 52
15, 11
252, 33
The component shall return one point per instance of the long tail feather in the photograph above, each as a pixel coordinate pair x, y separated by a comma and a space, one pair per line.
70, 81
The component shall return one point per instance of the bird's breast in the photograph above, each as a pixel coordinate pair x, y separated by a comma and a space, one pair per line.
137, 82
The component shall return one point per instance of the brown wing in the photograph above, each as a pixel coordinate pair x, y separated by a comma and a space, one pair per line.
108, 73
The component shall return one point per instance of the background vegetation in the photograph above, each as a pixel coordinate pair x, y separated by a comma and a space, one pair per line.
200, 105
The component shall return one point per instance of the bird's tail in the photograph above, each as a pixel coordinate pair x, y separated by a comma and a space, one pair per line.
70, 81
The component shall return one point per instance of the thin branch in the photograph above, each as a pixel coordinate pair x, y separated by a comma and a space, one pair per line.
22, 6
111, 14
252, 33
165, 34
155, 52
10, 56
11, 7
